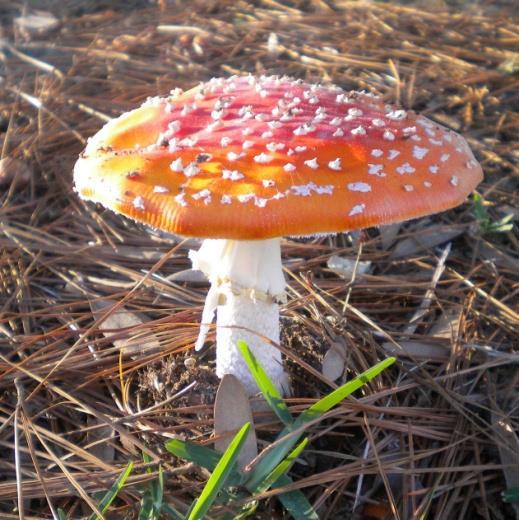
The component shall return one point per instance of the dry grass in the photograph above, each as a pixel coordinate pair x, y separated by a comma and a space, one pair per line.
80, 395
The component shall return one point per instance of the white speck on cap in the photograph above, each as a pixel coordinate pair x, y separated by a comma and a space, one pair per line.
389, 136
377, 152
420, 153
454, 180
335, 164
378, 122
304, 129
299, 149
245, 197
357, 210
233, 156
226, 199
444, 157
263, 158
289, 167
268, 183
433, 168
174, 126
260, 202
312, 163
188, 141
138, 203
397, 115
359, 186
405, 168
393, 154
274, 147
360, 130
202, 194
191, 169
355, 112
173, 145
233, 175
376, 169
303, 190
427, 184
160, 189
176, 165
338, 133
225, 141
408, 187
181, 199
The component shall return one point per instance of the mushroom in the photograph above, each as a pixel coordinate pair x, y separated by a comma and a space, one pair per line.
244, 161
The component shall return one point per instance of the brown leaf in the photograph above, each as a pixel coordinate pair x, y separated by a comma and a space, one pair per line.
388, 234
99, 435
125, 320
190, 276
426, 239
418, 350
446, 326
231, 411
333, 362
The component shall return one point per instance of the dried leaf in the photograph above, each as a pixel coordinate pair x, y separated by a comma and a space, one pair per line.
388, 234
418, 350
446, 326
334, 362
231, 411
189, 276
426, 239
98, 434
123, 319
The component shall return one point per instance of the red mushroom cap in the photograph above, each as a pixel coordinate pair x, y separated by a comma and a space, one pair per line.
254, 158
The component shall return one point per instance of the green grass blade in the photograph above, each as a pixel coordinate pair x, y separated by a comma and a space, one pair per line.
273, 456
171, 512
219, 476
151, 501
328, 402
147, 511
61, 514
283, 467
295, 501
267, 387
201, 455
157, 490
110, 495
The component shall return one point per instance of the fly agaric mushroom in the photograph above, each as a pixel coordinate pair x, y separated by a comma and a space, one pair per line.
244, 161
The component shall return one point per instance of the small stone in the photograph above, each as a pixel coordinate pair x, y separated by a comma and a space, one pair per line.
190, 363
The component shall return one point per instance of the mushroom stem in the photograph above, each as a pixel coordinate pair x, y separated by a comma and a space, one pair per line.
246, 283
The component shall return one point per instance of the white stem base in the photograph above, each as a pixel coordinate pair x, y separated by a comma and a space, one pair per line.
241, 318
